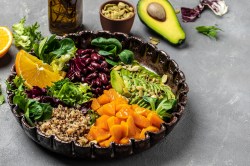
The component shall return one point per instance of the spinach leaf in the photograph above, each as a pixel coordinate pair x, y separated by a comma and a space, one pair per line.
126, 56
55, 52
66, 46
33, 110
105, 53
44, 47
109, 61
105, 44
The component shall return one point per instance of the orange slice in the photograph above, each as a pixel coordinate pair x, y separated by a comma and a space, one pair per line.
5, 40
34, 71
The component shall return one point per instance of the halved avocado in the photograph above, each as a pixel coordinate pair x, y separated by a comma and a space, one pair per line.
160, 16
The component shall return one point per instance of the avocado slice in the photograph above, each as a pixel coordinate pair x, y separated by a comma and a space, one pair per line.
116, 81
160, 16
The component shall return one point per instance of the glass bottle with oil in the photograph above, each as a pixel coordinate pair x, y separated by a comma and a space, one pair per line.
65, 16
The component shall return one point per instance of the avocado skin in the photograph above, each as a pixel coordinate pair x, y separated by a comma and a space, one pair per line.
173, 32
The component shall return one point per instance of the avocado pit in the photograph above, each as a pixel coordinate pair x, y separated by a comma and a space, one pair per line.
156, 11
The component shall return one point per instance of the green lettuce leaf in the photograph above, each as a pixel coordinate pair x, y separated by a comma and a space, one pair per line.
70, 93
26, 36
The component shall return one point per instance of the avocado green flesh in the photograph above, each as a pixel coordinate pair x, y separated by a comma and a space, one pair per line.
116, 81
169, 29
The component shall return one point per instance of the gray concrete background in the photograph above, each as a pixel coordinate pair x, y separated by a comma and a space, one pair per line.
215, 128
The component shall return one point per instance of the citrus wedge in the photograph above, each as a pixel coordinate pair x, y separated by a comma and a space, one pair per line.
34, 71
5, 40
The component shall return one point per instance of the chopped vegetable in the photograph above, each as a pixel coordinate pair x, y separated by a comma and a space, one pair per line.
70, 93
40, 94
135, 82
2, 100
26, 36
91, 68
109, 44
219, 8
210, 31
161, 106
190, 15
55, 52
33, 110
120, 121
126, 56
111, 49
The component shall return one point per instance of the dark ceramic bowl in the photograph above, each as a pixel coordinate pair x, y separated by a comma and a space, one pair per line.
123, 25
148, 55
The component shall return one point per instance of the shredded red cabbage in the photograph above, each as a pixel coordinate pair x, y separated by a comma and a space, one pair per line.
190, 15
219, 8
40, 94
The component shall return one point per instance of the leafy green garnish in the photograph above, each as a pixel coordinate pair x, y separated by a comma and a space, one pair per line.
126, 56
70, 93
161, 106
111, 48
26, 36
110, 44
210, 31
2, 100
33, 110
55, 52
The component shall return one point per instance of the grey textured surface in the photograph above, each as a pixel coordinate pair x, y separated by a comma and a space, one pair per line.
215, 128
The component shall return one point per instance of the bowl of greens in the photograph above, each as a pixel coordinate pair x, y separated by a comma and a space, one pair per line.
111, 95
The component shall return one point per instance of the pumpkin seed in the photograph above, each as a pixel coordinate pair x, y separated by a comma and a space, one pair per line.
119, 11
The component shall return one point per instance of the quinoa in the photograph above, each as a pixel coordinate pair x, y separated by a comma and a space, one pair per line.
67, 124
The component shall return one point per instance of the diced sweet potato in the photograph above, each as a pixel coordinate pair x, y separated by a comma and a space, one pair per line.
131, 127
100, 111
125, 125
113, 121
141, 121
95, 105
118, 131
124, 140
102, 123
149, 128
107, 142
98, 134
142, 111
137, 133
155, 120
120, 106
108, 109
124, 113
112, 94
103, 99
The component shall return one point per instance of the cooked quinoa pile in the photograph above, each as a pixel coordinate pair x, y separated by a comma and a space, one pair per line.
68, 124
